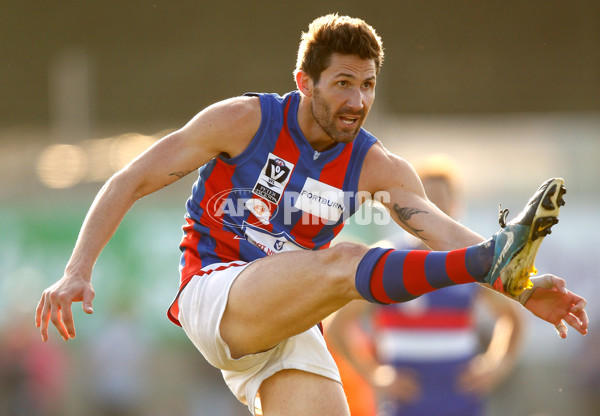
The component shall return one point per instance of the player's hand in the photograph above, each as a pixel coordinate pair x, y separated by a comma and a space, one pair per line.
55, 305
552, 302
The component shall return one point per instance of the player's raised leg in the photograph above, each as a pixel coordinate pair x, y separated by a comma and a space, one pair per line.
286, 294
283, 295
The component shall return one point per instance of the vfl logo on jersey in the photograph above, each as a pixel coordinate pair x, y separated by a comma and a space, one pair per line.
268, 242
318, 198
273, 178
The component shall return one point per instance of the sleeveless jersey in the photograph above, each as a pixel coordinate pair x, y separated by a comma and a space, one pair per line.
278, 195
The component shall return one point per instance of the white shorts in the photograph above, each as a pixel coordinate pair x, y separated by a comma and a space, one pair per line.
201, 306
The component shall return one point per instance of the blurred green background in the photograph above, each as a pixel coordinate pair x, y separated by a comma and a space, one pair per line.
510, 90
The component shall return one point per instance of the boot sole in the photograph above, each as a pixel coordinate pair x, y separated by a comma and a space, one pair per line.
515, 276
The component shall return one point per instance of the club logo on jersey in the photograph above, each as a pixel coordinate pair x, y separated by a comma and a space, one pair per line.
273, 179
324, 201
230, 207
260, 209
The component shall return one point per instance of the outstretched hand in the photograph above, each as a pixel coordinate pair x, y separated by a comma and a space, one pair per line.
554, 303
55, 305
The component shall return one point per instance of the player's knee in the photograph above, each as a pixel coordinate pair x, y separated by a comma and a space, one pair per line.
343, 258
349, 249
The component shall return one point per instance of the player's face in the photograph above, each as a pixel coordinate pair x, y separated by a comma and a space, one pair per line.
343, 97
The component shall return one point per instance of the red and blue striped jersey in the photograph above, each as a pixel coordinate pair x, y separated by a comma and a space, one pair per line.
433, 337
278, 195
434, 328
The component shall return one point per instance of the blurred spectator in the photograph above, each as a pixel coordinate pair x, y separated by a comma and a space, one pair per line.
361, 397
118, 358
31, 373
426, 357
589, 372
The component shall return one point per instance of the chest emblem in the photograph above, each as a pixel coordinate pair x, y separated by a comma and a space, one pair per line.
273, 179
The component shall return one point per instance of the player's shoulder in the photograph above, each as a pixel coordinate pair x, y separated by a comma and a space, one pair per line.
226, 126
241, 109
379, 159
383, 168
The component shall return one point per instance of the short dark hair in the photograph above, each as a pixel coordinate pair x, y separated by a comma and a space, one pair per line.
337, 34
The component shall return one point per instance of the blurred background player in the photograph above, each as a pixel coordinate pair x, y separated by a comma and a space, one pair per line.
429, 356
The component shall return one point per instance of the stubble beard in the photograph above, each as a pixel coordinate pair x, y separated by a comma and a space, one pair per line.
327, 120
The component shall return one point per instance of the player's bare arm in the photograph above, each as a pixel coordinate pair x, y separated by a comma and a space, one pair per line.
224, 128
403, 195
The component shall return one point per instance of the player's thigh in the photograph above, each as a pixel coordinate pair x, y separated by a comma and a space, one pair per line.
298, 393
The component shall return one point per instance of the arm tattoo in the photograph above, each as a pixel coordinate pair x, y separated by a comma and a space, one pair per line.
180, 173
404, 214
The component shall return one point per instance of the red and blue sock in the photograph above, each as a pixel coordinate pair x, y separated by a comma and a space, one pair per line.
391, 276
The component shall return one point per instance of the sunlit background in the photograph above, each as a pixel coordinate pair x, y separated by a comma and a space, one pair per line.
510, 90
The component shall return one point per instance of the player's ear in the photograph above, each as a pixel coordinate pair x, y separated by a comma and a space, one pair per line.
304, 83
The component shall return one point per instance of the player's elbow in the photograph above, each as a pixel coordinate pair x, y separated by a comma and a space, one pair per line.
127, 185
